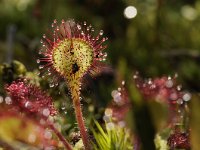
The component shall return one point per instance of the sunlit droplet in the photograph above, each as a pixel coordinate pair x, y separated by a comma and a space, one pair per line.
1, 99
31, 138
27, 104
46, 112
187, 97
8, 100
48, 134
169, 83
63, 21
189, 12
44, 36
173, 96
101, 32
51, 85
130, 12
110, 126
41, 67
84, 23
38, 61
79, 27
108, 112
179, 101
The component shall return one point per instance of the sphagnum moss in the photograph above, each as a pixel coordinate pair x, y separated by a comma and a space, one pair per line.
71, 53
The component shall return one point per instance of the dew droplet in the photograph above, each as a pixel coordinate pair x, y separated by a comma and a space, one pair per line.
51, 85
179, 101
44, 36
79, 27
113, 93
63, 108
8, 100
106, 118
27, 104
110, 126
179, 87
1, 99
169, 83
63, 21
48, 134
38, 61
41, 41
122, 124
55, 21
173, 96
101, 32
187, 97
169, 77
57, 28
123, 82
31, 138
135, 76
84, 23
46, 112
41, 67
108, 112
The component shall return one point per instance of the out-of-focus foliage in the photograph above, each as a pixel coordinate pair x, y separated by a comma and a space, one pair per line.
113, 138
16, 130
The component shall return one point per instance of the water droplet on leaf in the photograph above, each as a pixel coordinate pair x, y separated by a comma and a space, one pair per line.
41, 67
38, 61
46, 112
44, 36
101, 32
1, 99
186, 97
8, 100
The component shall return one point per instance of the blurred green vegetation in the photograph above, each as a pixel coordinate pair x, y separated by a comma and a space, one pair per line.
162, 39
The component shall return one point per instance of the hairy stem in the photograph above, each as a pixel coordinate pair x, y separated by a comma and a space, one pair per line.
60, 136
79, 117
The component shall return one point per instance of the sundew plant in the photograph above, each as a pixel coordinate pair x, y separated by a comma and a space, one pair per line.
76, 99
73, 52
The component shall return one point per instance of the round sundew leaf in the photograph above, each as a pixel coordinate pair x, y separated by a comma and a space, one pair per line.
71, 52
72, 58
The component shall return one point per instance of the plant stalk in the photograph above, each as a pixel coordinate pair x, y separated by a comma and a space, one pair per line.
60, 136
79, 117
